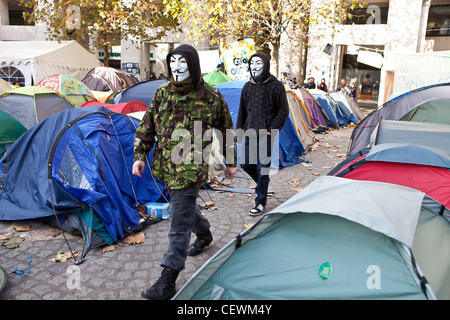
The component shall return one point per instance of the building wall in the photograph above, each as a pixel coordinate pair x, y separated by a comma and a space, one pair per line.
404, 32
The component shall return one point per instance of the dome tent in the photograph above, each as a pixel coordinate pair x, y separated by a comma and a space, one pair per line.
401, 106
76, 165
108, 79
30, 105
319, 245
10, 131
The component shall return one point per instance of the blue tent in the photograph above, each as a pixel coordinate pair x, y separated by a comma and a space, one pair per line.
337, 115
142, 91
76, 165
290, 146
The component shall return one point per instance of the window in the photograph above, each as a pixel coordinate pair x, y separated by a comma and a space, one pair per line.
439, 21
12, 74
16, 12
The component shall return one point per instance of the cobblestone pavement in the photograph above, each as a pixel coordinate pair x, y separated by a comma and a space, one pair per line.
123, 273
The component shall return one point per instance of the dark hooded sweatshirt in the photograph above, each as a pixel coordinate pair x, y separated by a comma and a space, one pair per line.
263, 103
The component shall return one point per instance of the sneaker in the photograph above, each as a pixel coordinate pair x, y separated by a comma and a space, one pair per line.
257, 210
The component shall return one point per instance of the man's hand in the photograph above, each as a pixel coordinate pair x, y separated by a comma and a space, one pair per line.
229, 172
138, 168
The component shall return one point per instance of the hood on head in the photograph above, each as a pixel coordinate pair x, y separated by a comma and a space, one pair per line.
266, 70
192, 59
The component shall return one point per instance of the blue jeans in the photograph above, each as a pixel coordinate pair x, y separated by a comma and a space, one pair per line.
185, 219
257, 159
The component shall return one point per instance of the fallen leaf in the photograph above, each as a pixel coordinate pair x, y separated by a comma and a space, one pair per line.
249, 195
231, 195
3, 237
315, 173
253, 187
64, 256
23, 228
135, 239
108, 248
294, 182
326, 145
298, 189
306, 164
141, 208
53, 232
207, 205
227, 182
13, 242
247, 225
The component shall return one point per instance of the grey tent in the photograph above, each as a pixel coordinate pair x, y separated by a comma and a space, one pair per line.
424, 105
336, 239
108, 79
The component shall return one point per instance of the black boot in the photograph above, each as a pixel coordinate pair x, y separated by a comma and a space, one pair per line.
164, 287
202, 241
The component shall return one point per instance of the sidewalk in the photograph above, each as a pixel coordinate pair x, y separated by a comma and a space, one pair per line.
123, 273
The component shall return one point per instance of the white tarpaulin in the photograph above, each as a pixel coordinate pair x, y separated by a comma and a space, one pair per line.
414, 71
209, 60
373, 59
40, 59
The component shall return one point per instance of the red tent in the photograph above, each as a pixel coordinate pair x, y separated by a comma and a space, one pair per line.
125, 108
433, 181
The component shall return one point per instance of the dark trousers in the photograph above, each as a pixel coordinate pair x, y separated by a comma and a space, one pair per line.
257, 159
185, 219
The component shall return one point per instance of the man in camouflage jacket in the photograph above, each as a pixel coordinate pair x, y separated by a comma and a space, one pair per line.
180, 120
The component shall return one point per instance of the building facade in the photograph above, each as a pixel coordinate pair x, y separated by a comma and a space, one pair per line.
364, 49
367, 49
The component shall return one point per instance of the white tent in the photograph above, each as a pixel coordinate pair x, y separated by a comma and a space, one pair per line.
4, 86
40, 59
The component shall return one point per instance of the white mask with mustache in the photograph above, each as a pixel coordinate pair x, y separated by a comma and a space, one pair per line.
179, 68
256, 66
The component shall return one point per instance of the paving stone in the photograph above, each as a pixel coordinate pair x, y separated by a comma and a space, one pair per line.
129, 269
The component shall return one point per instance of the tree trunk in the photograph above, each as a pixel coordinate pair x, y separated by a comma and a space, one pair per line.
107, 54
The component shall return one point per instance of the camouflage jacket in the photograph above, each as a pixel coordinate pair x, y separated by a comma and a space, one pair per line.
179, 154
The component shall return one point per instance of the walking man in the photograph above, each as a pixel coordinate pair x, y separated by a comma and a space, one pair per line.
186, 108
263, 110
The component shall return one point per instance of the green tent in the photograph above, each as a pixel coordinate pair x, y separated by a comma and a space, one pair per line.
216, 77
3, 278
433, 111
30, 105
336, 239
10, 131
